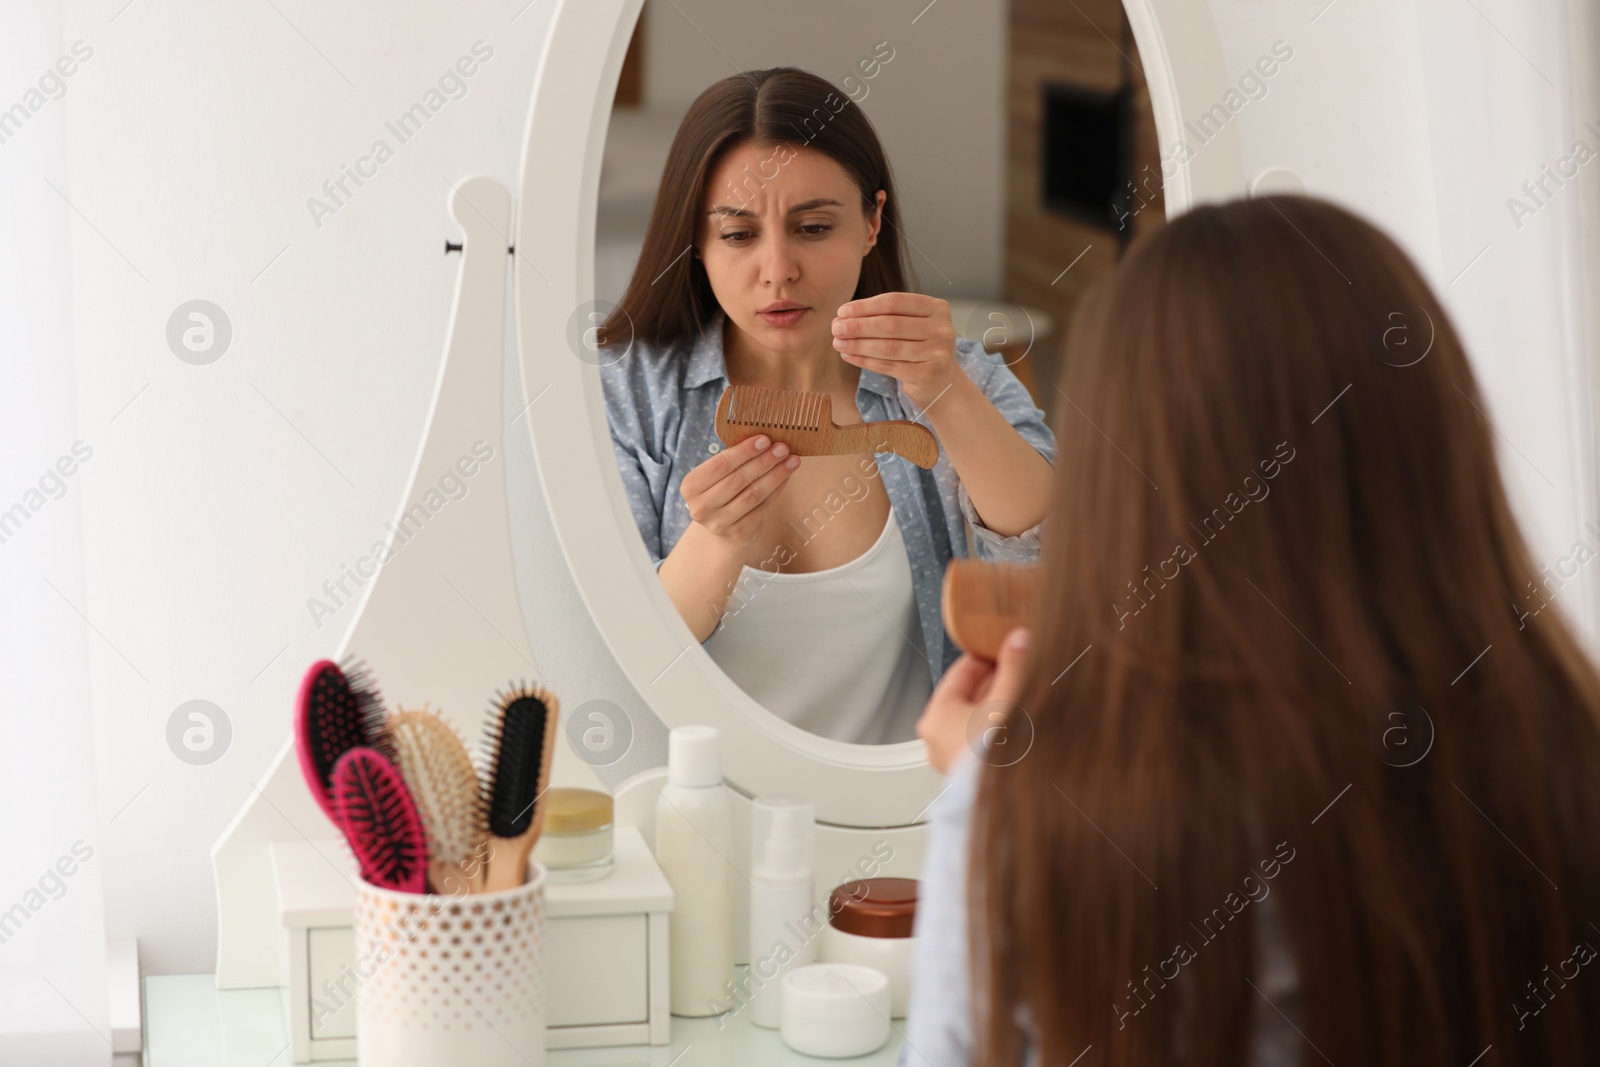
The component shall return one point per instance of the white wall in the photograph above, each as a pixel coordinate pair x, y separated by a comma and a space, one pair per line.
1583, 46
1459, 105
221, 497
52, 833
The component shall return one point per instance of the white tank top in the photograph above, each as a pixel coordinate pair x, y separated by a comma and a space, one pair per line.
837, 652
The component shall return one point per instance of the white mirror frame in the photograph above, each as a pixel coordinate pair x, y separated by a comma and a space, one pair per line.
852, 785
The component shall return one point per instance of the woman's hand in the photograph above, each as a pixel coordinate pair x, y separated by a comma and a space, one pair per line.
907, 336
972, 698
728, 493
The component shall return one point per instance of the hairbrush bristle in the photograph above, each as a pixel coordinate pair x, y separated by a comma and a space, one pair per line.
515, 739
339, 708
443, 782
379, 818
369, 701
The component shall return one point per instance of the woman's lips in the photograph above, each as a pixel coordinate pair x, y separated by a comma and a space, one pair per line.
782, 318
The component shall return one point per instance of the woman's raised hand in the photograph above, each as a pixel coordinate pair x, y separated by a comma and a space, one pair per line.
972, 701
908, 336
728, 493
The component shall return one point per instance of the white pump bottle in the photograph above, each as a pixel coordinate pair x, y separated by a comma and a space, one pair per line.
694, 847
785, 921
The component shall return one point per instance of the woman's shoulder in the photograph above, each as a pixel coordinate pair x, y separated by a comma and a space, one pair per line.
643, 379
639, 360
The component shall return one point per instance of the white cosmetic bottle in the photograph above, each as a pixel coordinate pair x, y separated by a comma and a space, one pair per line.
784, 921
694, 843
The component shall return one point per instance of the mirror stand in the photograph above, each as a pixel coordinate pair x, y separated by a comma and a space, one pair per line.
440, 621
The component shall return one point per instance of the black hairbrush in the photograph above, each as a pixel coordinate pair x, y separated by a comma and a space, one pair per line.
520, 739
337, 709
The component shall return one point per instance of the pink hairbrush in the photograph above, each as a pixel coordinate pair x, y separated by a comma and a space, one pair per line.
380, 821
336, 710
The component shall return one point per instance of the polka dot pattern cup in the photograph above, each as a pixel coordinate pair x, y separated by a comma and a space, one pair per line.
451, 979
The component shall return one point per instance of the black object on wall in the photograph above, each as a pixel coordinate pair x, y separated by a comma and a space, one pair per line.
1086, 153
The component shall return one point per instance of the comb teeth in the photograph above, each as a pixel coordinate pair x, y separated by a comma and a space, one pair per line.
515, 738
380, 820
779, 409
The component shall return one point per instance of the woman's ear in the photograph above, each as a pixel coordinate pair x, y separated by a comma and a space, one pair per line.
876, 222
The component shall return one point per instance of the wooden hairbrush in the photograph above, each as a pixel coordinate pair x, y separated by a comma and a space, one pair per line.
380, 821
982, 601
521, 736
804, 422
444, 784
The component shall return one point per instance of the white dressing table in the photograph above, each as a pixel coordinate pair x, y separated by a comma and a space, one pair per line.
189, 1022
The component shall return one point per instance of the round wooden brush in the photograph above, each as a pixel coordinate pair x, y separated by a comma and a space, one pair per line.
982, 601
380, 821
338, 708
450, 802
520, 737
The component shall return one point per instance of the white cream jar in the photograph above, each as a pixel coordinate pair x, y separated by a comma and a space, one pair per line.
834, 1009
870, 924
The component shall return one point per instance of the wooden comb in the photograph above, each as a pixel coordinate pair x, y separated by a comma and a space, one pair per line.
804, 422
982, 601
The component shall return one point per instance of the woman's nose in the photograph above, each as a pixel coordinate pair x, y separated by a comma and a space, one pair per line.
780, 263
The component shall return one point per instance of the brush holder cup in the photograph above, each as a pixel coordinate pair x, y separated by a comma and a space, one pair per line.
451, 979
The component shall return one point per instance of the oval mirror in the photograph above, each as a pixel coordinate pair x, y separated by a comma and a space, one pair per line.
1020, 175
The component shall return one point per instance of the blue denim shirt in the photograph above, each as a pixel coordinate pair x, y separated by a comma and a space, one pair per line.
662, 405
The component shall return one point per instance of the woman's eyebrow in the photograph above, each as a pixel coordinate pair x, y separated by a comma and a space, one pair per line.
809, 205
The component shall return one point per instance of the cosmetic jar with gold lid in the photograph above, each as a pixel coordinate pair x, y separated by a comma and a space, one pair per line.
576, 840
870, 922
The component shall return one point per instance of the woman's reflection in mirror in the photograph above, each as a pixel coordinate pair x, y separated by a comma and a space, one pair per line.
774, 257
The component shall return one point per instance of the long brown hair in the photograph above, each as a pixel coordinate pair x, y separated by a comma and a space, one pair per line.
669, 297
1313, 670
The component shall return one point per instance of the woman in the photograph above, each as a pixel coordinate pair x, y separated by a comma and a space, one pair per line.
773, 258
1290, 671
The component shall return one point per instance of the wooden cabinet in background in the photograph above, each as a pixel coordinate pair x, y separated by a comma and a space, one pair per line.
1054, 253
